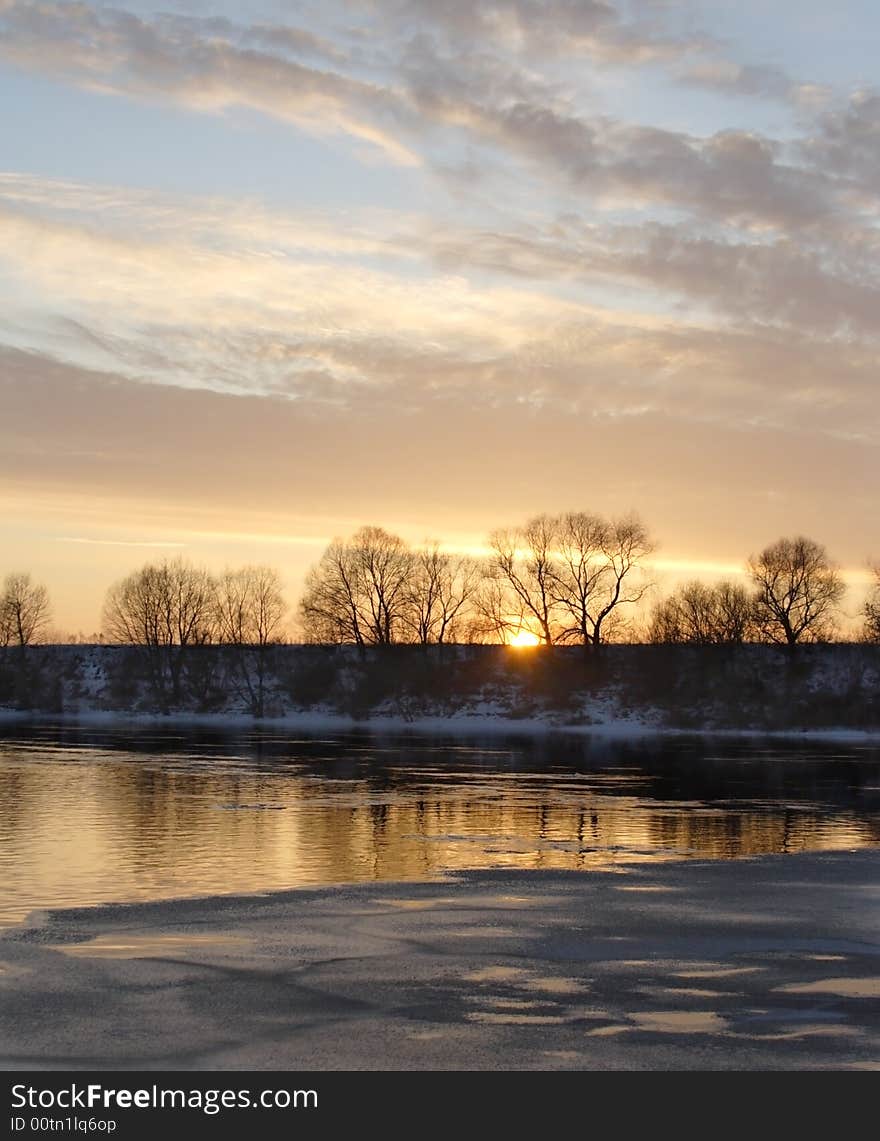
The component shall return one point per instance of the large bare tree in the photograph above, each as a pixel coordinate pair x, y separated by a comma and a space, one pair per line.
522, 563
166, 609
797, 591
24, 610
722, 614
599, 566
565, 576
250, 610
357, 592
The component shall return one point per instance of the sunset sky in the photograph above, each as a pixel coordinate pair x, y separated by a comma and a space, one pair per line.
270, 271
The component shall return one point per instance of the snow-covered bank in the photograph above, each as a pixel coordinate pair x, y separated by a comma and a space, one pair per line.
472, 726
823, 693
466, 725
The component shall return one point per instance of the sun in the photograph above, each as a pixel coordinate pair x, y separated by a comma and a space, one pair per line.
523, 639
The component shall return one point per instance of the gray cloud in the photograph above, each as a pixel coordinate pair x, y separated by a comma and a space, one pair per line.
759, 81
547, 27
814, 290
418, 88
847, 141
735, 177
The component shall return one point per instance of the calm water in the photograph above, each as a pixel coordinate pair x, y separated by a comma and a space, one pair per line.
89, 817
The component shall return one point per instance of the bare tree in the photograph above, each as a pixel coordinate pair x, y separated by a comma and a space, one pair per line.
522, 563
250, 609
24, 610
798, 591
329, 609
565, 576
596, 572
357, 593
871, 609
440, 590
579, 573
497, 613
166, 609
707, 615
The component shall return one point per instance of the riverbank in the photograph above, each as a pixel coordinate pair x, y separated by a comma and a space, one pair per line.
466, 726
766, 963
628, 690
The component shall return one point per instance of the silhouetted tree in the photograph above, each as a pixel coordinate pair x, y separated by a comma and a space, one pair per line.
522, 562
797, 591
24, 610
165, 609
597, 564
357, 593
250, 609
440, 590
565, 576
871, 609
497, 612
722, 614
24, 618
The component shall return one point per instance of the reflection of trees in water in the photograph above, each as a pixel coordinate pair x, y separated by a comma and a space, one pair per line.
15, 799
132, 826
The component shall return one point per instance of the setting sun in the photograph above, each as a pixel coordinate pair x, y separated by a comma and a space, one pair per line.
523, 639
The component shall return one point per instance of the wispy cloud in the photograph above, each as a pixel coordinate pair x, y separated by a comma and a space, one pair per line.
115, 542
207, 65
236, 298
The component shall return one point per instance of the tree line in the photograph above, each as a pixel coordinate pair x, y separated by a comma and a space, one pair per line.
568, 579
563, 579
795, 597
171, 609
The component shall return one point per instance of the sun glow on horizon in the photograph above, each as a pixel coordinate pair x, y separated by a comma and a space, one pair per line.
524, 639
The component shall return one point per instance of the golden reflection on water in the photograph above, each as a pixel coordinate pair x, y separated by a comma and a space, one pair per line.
82, 827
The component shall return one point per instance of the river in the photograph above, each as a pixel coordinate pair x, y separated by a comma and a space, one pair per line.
95, 816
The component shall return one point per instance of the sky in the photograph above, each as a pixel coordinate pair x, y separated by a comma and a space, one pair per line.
271, 271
